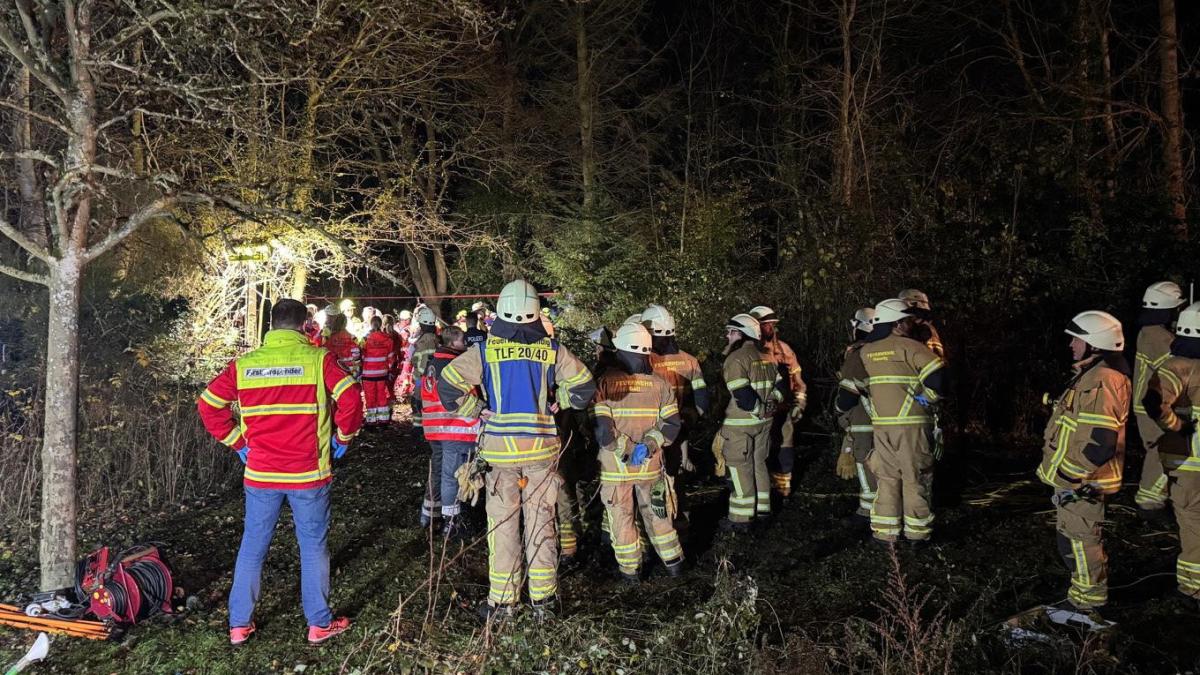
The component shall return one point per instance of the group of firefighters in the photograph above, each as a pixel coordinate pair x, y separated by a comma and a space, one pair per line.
499, 400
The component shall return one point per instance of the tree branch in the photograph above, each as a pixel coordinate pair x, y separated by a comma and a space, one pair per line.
31, 277
154, 209
21, 240
47, 78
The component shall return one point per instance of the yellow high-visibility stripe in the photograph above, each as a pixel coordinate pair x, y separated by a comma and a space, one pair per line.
212, 399
341, 387
269, 477
280, 409
232, 437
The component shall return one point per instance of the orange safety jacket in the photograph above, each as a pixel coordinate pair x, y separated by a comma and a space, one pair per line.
438, 423
290, 396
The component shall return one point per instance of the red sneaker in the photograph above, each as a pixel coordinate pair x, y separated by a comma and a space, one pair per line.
240, 634
319, 634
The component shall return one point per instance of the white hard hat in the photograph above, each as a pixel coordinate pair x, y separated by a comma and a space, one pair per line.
426, 316
862, 319
764, 314
660, 320
891, 311
1162, 295
1099, 329
1188, 324
330, 310
914, 298
745, 324
478, 305
519, 302
405, 315
632, 338
633, 318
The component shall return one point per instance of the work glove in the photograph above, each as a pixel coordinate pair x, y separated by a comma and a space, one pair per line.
846, 467
658, 498
796, 412
339, 448
718, 451
244, 453
641, 453
470, 477
939, 444
922, 400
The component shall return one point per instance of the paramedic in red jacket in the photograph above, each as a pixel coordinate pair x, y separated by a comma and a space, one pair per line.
378, 356
299, 410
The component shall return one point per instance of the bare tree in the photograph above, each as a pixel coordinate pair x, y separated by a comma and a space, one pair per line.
1172, 114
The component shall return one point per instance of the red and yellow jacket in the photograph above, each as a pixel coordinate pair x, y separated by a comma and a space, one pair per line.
290, 396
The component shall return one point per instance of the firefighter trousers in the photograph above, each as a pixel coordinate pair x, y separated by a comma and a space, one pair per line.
1184, 489
1152, 487
860, 443
431, 506
375, 394
623, 501
903, 466
746, 449
1080, 543
566, 512
782, 458
522, 533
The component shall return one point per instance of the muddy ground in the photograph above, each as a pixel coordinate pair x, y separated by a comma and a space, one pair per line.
819, 583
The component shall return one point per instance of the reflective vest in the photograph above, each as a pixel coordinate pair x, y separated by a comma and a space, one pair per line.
517, 379
438, 423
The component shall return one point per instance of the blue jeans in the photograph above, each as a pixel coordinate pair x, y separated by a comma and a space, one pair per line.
454, 455
310, 515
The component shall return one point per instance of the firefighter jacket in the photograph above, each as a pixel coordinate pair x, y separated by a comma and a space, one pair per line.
781, 354
631, 409
754, 383
682, 372
1153, 348
1176, 384
438, 423
1085, 437
516, 380
857, 419
378, 356
891, 373
423, 350
345, 349
292, 397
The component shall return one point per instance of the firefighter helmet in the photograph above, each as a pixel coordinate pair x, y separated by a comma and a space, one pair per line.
862, 319
1188, 324
660, 320
632, 338
914, 298
746, 325
347, 306
602, 336
764, 314
891, 311
405, 315
330, 310
426, 316
1099, 329
632, 319
1162, 295
519, 302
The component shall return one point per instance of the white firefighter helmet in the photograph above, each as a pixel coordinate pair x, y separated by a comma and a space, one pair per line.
331, 310
1099, 329
862, 319
347, 306
478, 306
660, 320
519, 302
632, 338
632, 319
426, 316
764, 314
914, 298
746, 325
1188, 324
891, 311
405, 315
1162, 295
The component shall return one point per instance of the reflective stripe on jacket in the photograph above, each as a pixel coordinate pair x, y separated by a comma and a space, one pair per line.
894, 371
682, 371
1153, 348
631, 409
377, 355
438, 423
1176, 381
1094, 406
748, 366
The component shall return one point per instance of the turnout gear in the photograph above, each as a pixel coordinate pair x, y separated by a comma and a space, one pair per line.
682, 372
746, 325
294, 399
914, 298
888, 376
378, 358
519, 303
859, 438
782, 458
659, 319
636, 418
921, 308
1083, 456
753, 382
516, 369
1162, 295
422, 351
1099, 329
1153, 348
1177, 383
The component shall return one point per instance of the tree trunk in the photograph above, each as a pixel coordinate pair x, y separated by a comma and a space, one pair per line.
587, 112
1172, 113
844, 162
57, 544
32, 222
299, 281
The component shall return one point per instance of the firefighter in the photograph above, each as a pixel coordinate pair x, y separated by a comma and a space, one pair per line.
451, 435
923, 329
682, 371
378, 358
636, 417
516, 368
1084, 451
423, 349
1160, 305
744, 439
1177, 381
341, 343
902, 379
782, 458
299, 411
859, 439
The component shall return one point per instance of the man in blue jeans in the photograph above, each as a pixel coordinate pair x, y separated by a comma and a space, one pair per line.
299, 411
